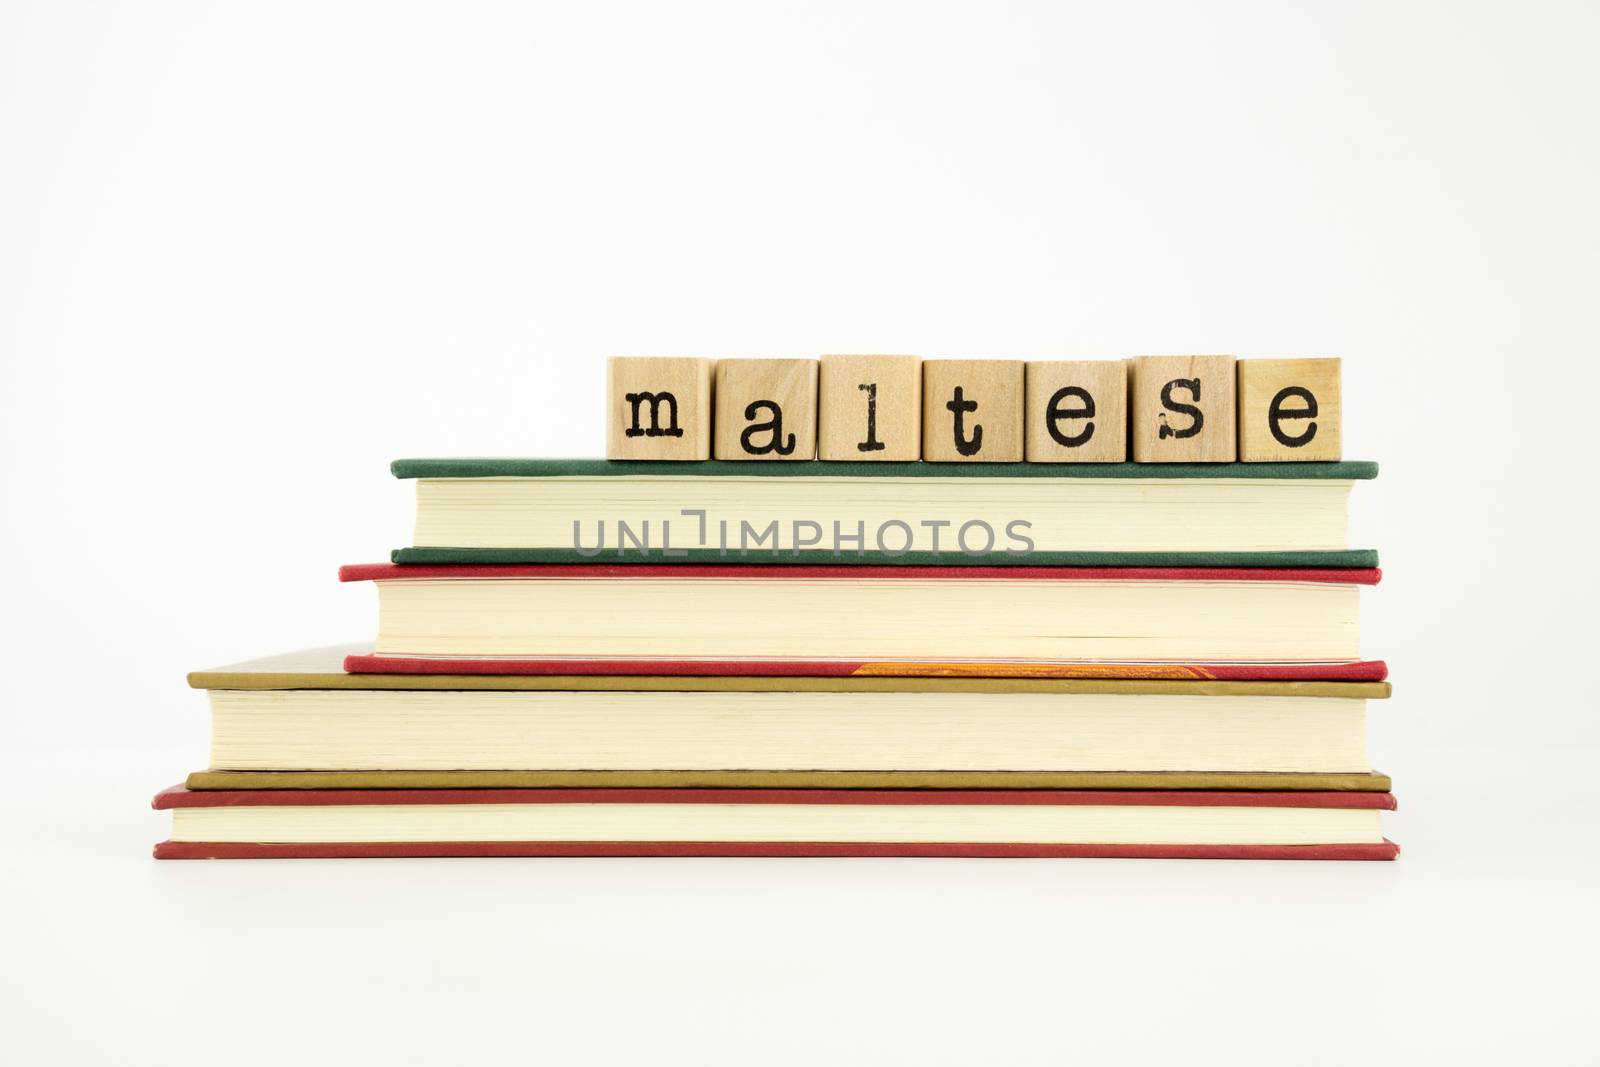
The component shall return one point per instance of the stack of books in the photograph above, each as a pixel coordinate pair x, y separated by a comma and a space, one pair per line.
583, 657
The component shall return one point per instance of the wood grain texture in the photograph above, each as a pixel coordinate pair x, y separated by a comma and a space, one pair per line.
1289, 410
972, 410
1076, 411
658, 407
1183, 409
870, 409
766, 409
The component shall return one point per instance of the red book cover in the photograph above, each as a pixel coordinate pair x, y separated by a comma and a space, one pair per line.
201, 850
179, 797
1363, 671
1343, 671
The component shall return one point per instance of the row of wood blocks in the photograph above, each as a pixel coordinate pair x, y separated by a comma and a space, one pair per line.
1154, 409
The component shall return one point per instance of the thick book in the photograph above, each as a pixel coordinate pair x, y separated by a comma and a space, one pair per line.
959, 725
269, 824
1039, 621
297, 721
885, 514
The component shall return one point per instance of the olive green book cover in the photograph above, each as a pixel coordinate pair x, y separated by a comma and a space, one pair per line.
1372, 782
322, 668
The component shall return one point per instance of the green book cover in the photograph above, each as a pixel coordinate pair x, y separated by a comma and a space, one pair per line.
442, 552
1344, 470
1350, 557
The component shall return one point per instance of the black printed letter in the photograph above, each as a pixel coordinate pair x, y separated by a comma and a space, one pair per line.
871, 444
960, 405
655, 400
1055, 413
777, 444
1193, 385
1276, 414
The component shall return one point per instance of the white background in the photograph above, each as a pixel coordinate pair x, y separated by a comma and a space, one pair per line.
249, 253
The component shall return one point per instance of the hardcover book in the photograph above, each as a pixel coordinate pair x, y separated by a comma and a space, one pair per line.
773, 822
1062, 621
273, 693
886, 514
941, 732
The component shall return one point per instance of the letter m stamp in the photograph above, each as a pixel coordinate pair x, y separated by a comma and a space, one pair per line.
658, 407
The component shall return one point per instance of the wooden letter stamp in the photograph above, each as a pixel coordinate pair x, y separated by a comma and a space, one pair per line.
766, 409
1289, 410
871, 408
658, 407
1183, 409
1077, 412
972, 410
